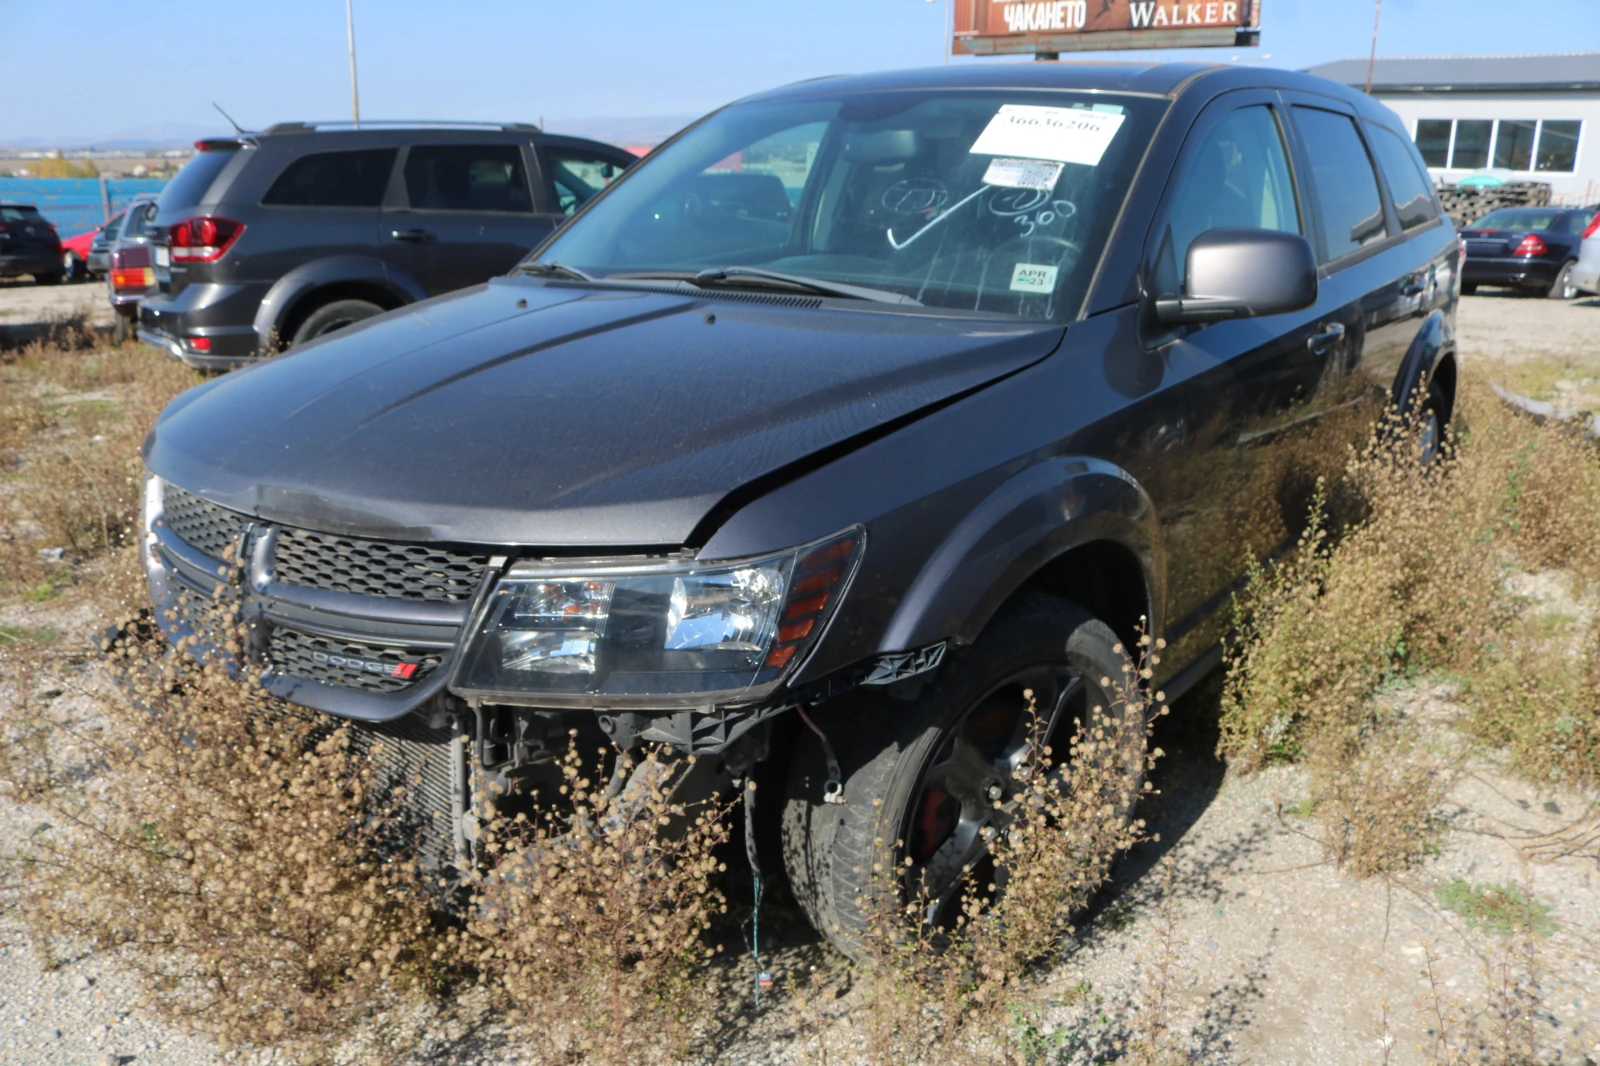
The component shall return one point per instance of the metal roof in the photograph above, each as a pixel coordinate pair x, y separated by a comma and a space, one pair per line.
1515, 73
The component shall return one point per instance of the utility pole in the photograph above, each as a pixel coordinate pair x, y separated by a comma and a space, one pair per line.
1372, 59
350, 34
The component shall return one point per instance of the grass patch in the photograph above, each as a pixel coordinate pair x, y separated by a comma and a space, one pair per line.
1499, 908
14, 635
1538, 378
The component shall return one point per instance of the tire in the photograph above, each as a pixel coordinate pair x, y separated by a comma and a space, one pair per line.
895, 756
52, 278
334, 316
122, 328
1467, 289
71, 266
1562, 288
1432, 421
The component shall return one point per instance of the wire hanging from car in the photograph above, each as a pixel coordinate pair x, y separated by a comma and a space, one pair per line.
763, 980
833, 788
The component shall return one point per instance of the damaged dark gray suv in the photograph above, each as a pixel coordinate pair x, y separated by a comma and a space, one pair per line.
853, 413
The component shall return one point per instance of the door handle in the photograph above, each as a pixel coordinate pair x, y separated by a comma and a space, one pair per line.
1415, 288
417, 235
1331, 333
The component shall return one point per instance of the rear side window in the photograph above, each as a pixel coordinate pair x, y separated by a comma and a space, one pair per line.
334, 179
190, 185
1237, 176
1346, 187
139, 220
578, 176
1410, 188
467, 177
20, 214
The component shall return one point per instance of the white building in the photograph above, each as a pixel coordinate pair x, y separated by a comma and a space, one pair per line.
1525, 117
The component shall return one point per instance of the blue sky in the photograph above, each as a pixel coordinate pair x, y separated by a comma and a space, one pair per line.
570, 61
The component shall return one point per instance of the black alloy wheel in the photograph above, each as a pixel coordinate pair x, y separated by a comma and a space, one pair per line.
929, 783
968, 793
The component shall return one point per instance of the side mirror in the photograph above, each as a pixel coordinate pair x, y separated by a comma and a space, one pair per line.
1241, 273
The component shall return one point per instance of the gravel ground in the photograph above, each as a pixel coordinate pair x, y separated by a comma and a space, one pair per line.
22, 302
1278, 957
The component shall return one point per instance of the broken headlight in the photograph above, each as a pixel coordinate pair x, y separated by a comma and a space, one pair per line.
677, 630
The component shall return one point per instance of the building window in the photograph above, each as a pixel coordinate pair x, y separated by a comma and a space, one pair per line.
1513, 144
1518, 144
1433, 140
1472, 144
1558, 146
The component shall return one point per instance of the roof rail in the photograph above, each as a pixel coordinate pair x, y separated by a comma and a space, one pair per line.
346, 124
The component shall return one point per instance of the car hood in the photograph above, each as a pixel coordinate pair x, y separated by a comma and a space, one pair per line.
524, 412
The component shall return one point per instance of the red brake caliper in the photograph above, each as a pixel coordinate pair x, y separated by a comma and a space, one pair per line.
935, 822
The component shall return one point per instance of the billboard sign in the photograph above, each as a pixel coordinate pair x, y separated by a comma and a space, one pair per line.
996, 27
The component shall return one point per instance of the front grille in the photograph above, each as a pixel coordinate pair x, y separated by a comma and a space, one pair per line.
326, 661
377, 567
199, 523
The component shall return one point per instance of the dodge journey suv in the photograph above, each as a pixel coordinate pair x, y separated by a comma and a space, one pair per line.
855, 412
266, 240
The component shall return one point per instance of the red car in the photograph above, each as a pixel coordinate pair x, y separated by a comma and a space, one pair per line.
75, 255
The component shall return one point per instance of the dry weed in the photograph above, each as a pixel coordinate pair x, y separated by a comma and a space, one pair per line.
71, 422
1415, 582
589, 923
954, 995
228, 851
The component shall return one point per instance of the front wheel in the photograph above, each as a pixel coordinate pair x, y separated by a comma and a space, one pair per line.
1563, 288
928, 784
71, 266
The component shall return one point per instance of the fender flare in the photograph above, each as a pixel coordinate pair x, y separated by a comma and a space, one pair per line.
288, 291
1034, 517
1434, 340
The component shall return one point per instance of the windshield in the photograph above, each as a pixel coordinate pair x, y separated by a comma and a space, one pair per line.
989, 201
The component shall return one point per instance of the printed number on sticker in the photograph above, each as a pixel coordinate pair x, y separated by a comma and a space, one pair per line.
1033, 277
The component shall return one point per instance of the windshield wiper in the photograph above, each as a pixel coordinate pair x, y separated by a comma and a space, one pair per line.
549, 268
735, 275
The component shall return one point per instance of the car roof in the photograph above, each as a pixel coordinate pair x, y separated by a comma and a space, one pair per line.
1149, 79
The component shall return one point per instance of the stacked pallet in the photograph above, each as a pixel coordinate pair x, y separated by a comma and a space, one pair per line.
1466, 204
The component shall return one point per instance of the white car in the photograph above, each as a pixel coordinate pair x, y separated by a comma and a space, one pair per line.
1586, 271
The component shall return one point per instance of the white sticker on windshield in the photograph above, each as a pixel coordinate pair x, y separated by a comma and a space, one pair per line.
1023, 174
1064, 134
1033, 277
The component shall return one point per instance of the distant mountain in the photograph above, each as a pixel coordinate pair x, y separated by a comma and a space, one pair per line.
153, 135
647, 130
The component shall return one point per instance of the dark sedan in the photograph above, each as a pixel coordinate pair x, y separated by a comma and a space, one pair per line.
29, 244
1533, 248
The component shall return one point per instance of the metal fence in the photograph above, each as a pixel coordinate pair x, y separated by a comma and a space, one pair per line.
77, 205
